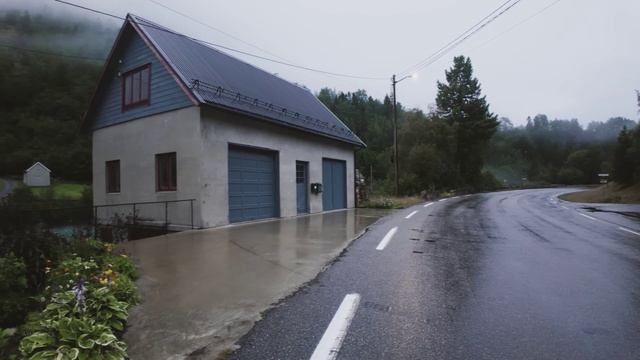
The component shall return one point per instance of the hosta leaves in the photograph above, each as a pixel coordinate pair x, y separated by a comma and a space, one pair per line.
106, 339
44, 355
36, 341
85, 342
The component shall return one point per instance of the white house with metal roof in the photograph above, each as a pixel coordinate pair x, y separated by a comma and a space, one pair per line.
37, 175
174, 119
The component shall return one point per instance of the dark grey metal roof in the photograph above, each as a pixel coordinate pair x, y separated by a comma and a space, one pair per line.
224, 81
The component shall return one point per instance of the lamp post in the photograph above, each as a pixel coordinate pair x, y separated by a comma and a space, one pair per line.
395, 129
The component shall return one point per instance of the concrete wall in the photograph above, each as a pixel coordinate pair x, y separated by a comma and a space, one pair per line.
37, 176
219, 128
135, 144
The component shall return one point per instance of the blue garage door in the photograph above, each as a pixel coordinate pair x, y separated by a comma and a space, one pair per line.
334, 184
252, 184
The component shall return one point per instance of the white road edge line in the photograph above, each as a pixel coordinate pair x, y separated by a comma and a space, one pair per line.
410, 215
331, 341
427, 204
442, 199
629, 231
385, 240
564, 207
587, 216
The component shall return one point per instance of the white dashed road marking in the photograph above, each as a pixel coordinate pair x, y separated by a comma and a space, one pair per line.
629, 231
427, 204
410, 215
386, 239
331, 341
587, 216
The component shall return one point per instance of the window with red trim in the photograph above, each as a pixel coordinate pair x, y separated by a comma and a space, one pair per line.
112, 171
166, 172
136, 86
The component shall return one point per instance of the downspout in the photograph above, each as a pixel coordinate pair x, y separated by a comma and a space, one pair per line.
355, 177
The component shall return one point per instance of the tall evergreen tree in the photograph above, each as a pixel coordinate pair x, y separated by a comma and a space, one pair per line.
459, 101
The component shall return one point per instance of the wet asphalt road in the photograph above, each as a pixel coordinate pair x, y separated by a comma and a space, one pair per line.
508, 275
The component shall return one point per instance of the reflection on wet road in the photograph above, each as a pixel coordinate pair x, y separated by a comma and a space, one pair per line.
507, 275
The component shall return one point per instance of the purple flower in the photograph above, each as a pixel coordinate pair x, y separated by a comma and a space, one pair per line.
80, 290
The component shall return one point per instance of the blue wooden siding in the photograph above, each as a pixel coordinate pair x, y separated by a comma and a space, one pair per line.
165, 95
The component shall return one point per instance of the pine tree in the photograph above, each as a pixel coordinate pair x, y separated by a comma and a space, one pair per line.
459, 101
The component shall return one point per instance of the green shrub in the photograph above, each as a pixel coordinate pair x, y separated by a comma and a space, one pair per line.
73, 338
88, 294
79, 324
13, 287
488, 182
69, 271
121, 264
124, 289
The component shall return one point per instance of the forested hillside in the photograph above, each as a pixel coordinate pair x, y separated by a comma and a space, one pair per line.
44, 96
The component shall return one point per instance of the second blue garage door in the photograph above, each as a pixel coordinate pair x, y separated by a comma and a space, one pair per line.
334, 184
252, 184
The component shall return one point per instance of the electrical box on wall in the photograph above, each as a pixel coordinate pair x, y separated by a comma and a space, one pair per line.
316, 188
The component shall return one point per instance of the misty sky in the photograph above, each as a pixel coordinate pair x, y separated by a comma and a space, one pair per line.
578, 59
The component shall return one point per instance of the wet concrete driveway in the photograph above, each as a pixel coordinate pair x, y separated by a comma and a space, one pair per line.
201, 290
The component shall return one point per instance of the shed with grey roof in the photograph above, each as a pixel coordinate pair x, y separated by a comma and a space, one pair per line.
37, 175
175, 119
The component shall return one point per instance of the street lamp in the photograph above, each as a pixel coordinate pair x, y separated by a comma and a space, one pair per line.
395, 127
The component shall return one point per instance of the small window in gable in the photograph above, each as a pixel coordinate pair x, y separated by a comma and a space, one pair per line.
136, 86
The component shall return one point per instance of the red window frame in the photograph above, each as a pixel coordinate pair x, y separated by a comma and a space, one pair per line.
166, 172
112, 174
138, 95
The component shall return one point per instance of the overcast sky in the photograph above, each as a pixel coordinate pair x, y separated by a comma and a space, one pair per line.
578, 59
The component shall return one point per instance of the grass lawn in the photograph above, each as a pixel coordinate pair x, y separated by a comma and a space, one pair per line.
62, 191
609, 193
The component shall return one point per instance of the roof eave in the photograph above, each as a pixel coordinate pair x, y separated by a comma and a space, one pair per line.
288, 125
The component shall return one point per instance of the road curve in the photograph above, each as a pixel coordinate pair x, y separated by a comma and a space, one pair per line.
506, 275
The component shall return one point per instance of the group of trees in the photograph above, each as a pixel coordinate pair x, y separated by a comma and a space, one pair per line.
462, 145
440, 150
626, 162
554, 151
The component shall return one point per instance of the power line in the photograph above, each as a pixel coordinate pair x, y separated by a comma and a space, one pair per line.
518, 24
456, 39
462, 37
215, 29
229, 48
90, 9
47, 53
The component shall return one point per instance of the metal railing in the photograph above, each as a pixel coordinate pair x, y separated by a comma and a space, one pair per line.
177, 214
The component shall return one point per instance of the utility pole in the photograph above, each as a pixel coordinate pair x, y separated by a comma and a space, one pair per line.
395, 135
395, 129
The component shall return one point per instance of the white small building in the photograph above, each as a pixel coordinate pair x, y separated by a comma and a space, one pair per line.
37, 175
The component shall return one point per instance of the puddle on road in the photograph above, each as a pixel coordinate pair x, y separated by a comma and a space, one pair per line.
631, 214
